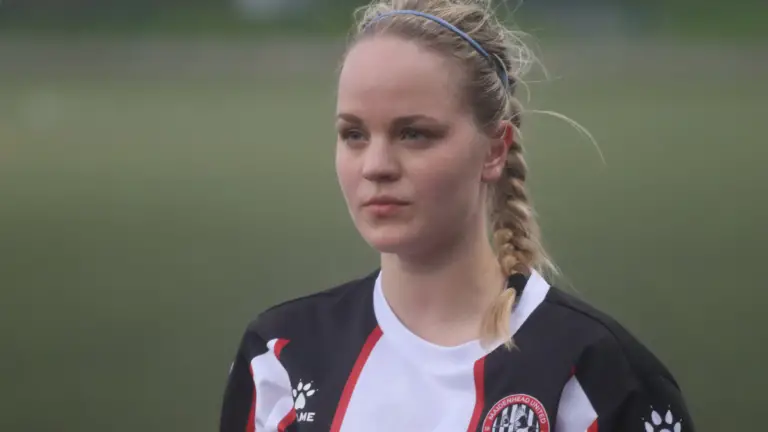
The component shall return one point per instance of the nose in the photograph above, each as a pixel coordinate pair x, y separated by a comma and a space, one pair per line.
380, 162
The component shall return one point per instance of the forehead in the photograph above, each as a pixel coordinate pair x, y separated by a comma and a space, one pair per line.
386, 75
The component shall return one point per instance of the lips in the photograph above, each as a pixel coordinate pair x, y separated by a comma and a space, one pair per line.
384, 201
385, 206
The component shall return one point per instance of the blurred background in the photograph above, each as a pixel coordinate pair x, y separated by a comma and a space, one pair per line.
166, 173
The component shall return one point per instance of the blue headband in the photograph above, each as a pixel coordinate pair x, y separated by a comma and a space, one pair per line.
494, 61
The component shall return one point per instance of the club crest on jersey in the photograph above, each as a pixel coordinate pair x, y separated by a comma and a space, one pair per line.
517, 413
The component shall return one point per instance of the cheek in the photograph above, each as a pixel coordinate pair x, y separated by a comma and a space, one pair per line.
346, 173
449, 185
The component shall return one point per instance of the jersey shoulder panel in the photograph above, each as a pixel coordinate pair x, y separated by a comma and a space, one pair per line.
308, 340
617, 383
610, 336
328, 307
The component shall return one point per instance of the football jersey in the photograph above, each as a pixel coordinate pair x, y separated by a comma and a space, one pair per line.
340, 360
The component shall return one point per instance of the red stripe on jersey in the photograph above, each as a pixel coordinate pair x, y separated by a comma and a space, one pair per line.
279, 345
479, 394
592, 427
251, 425
286, 421
349, 387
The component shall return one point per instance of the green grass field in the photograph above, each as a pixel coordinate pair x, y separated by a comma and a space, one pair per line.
148, 214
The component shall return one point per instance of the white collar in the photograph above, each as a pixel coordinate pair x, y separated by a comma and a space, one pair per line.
444, 359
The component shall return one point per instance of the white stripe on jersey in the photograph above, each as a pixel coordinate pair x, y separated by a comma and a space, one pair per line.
575, 413
273, 390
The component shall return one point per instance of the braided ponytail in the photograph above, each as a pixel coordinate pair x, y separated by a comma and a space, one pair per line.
516, 233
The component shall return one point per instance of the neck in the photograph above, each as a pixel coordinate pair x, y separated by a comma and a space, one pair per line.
443, 298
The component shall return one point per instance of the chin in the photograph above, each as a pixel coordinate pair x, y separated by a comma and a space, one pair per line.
390, 240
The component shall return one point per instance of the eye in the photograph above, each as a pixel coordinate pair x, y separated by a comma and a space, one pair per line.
410, 133
352, 135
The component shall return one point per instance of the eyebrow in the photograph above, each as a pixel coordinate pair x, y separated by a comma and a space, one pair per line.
399, 121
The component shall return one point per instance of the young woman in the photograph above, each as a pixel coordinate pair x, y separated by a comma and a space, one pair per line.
454, 332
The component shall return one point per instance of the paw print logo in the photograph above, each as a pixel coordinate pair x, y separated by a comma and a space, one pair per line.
666, 424
301, 393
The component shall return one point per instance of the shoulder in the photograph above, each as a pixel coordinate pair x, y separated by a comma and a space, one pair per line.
624, 381
604, 338
329, 307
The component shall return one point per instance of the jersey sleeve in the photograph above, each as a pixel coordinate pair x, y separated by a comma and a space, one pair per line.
257, 396
658, 406
238, 407
615, 388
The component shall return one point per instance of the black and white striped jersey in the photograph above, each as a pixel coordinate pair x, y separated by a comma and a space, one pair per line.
340, 360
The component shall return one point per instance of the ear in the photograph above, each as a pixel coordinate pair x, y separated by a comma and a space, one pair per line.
496, 158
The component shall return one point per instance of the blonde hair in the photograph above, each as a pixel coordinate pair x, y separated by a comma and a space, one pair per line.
516, 235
